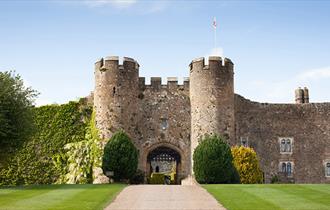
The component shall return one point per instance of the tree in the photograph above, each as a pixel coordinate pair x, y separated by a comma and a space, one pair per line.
247, 164
120, 156
16, 102
213, 161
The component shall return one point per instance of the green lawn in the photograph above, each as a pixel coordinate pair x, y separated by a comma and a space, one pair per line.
272, 197
58, 196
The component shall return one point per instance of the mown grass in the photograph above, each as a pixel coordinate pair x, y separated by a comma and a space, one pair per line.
272, 197
58, 196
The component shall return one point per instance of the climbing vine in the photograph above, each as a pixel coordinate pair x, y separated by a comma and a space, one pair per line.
81, 157
56, 126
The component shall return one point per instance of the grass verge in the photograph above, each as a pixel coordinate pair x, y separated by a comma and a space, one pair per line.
59, 196
272, 197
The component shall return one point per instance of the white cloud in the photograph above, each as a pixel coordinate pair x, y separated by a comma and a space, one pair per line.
315, 74
216, 52
116, 3
157, 6
283, 91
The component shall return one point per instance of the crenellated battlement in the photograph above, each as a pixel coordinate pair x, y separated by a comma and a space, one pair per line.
212, 61
156, 83
112, 62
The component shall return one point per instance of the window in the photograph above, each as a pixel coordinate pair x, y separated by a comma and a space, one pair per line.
244, 141
327, 169
283, 168
286, 145
164, 124
286, 168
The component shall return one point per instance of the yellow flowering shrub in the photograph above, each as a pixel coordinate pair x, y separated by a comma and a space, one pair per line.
246, 162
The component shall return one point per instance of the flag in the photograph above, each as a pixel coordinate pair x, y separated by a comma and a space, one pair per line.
214, 23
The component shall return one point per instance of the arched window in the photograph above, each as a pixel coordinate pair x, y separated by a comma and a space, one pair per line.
283, 167
282, 145
327, 169
164, 124
288, 145
289, 169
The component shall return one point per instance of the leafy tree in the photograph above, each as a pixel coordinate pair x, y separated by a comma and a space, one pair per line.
120, 156
213, 161
16, 102
247, 164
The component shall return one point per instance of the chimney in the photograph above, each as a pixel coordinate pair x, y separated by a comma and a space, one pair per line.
306, 95
299, 96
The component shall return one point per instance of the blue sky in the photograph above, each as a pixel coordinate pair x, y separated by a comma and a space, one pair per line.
276, 46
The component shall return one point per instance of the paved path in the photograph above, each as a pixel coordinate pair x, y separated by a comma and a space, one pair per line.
164, 197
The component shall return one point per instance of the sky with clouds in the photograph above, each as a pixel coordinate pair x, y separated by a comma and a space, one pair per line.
276, 46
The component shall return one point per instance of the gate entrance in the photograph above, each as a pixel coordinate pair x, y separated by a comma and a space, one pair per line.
164, 164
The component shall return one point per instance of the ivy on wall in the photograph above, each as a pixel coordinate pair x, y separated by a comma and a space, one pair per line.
81, 157
56, 126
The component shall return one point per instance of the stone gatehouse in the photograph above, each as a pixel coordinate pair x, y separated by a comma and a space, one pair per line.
166, 121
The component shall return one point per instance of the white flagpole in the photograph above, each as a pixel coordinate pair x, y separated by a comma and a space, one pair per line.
215, 33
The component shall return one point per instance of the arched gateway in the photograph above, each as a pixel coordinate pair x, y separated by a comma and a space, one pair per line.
164, 158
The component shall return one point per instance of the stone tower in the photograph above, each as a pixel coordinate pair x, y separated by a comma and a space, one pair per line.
115, 95
211, 99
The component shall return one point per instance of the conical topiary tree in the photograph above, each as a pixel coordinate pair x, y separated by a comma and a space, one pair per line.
213, 161
120, 156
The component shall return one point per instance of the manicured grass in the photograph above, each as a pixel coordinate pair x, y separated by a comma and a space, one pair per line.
58, 196
274, 197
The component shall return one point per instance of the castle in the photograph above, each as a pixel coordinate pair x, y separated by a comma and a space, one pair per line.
166, 122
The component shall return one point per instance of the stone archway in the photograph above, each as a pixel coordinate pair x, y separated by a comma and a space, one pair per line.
163, 158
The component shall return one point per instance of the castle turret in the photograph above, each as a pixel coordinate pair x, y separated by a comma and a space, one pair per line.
211, 99
115, 94
299, 96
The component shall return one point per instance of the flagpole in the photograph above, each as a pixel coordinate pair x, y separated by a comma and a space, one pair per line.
215, 38
215, 33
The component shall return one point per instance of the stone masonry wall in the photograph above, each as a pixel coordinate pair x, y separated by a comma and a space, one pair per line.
164, 120
308, 124
175, 116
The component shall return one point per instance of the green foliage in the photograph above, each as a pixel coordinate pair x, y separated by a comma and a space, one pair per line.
16, 101
56, 126
157, 178
138, 177
120, 156
80, 157
247, 164
213, 161
275, 179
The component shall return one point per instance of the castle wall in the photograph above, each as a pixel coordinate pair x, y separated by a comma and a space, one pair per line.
176, 116
308, 125
164, 120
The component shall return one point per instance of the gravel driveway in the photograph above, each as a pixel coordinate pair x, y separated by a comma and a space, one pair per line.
164, 197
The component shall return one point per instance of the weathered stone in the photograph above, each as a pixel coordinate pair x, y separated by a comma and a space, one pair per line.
176, 116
